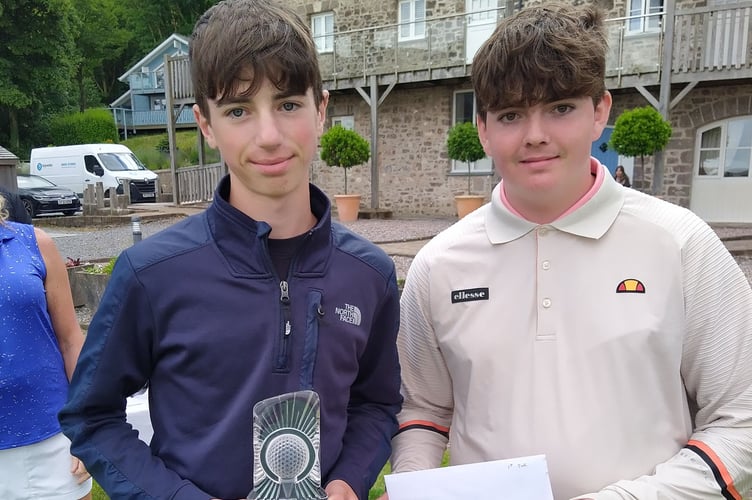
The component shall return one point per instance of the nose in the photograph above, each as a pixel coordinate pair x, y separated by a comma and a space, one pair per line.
536, 132
268, 133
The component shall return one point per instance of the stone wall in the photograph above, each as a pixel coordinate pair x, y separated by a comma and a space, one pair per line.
415, 174
702, 106
414, 168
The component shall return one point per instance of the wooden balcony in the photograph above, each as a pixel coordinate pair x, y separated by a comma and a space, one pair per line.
150, 120
709, 43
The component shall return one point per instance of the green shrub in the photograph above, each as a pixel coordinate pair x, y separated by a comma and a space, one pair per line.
344, 148
101, 268
640, 132
163, 146
463, 144
93, 126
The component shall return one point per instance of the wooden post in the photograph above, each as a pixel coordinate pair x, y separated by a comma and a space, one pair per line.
170, 104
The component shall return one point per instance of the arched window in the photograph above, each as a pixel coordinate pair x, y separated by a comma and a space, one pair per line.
724, 149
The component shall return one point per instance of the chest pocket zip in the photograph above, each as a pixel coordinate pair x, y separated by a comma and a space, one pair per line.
314, 315
286, 330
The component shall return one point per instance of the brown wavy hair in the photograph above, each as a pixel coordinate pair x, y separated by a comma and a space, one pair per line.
239, 43
542, 54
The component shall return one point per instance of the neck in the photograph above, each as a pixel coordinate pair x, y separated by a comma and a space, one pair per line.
545, 207
288, 216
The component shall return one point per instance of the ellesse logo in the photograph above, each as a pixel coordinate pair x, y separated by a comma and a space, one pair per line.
630, 286
469, 295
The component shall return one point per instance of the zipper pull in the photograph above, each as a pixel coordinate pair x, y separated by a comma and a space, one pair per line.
284, 294
288, 328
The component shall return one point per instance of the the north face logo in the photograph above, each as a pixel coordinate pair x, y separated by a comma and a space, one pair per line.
348, 314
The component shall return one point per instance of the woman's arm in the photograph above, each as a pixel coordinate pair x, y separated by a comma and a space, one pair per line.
60, 302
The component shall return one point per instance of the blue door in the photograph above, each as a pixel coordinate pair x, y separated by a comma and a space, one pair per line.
605, 155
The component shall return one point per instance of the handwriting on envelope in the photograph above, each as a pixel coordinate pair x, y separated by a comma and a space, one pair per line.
524, 478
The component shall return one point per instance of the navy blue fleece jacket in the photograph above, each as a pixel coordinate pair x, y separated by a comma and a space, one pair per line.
197, 312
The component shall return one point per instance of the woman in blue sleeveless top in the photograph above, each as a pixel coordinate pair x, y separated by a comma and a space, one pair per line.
40, 340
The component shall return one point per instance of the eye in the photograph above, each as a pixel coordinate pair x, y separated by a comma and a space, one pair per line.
290, 106
508, 116
563, 108
236, 112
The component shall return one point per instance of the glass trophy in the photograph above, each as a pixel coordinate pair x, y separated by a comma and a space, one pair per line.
286, 440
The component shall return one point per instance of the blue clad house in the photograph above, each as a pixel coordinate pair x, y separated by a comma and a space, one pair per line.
143, 106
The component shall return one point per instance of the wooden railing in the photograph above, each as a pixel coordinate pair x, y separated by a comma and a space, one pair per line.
134, 119
197, 184
713, 39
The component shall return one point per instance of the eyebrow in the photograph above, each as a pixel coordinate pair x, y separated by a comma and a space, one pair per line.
239, 99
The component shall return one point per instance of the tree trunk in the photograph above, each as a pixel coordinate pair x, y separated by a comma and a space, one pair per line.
14, 138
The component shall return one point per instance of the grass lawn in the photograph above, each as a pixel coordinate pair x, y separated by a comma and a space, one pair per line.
376, 491
151, 149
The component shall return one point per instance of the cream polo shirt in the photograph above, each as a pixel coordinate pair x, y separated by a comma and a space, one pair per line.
581, 340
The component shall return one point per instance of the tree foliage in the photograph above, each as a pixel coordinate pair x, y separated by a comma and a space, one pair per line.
35, 65
62, 55
640, 132
463, 144
344, 148
100, 36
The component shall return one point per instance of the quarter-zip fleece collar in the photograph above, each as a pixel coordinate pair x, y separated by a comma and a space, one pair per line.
237, 236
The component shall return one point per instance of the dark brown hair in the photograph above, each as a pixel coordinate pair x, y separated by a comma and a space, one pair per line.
542, 54
241, 42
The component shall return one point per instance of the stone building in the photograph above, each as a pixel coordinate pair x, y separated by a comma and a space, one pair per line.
401, 67
399, 74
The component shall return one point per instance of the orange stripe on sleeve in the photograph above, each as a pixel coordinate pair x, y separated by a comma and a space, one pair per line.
424, 423
720, 469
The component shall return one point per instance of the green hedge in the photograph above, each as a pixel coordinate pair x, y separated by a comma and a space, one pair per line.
93, 126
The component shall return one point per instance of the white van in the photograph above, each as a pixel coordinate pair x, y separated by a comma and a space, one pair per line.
76, 167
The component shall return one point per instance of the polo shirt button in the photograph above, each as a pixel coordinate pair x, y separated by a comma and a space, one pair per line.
542, 231
546, 303
546, 265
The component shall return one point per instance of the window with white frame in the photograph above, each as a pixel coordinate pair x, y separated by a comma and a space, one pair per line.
725, 149
322, 29
412, 19
346, 122
644, 16
465, 111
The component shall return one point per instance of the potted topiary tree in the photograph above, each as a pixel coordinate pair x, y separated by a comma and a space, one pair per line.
463, 144
640, 132
344, 148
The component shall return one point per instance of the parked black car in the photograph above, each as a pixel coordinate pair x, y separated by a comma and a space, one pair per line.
41, 196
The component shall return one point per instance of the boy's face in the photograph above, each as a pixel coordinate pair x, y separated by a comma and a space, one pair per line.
268, 140
542, 152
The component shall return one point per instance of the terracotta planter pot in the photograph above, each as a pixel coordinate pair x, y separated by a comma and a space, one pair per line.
468, 203
348, 206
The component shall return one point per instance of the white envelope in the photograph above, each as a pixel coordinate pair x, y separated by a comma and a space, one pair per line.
524, 478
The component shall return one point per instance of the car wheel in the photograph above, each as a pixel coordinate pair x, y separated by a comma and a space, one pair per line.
29, 206
69, 212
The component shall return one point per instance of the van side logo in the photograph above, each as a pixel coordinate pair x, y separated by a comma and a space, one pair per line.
469, 295
39, 166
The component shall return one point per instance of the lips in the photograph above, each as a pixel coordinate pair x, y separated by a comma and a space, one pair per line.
538, 159
272, 161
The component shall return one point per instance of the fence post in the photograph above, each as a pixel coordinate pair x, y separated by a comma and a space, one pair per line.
136, 228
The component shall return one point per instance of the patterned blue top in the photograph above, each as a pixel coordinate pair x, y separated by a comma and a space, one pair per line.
33, 383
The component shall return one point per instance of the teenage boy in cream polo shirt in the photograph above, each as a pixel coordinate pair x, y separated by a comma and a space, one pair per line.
600, 326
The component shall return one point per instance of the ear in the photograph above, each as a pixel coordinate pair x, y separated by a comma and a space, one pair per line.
602, 110
482, 132
205, 126
322, 111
